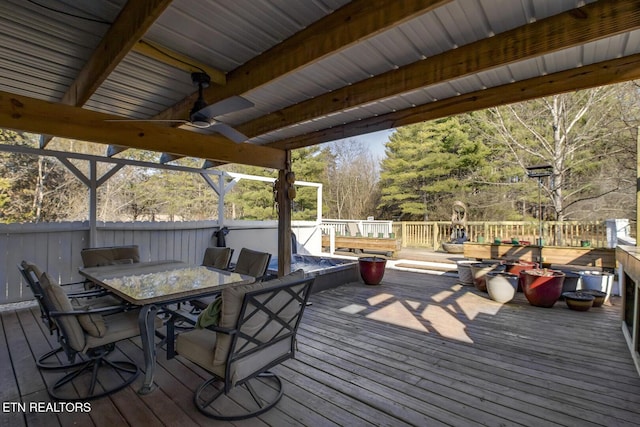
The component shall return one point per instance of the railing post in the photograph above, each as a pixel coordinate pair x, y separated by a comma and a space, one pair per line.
332, 240
404, 234
435, 235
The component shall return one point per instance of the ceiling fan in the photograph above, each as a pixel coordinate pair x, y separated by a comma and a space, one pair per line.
202, 116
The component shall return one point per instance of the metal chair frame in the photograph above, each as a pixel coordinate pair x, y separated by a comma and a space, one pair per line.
44, 361
255, 302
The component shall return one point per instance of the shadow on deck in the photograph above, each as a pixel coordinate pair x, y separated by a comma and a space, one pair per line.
417, 350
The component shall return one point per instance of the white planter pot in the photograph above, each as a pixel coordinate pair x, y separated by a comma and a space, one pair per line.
598, 281
501, 286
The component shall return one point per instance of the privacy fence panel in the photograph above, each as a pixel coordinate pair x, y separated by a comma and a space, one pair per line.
56, 247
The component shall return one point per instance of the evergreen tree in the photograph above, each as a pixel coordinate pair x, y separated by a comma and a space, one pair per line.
428, 167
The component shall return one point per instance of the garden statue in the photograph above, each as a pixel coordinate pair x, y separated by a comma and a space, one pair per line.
458, 229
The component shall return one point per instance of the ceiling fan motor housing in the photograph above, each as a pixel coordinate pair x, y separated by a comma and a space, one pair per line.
201, 79
199, 120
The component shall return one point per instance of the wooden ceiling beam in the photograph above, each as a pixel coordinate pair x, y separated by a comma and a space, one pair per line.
357, 20
178, 60
589, 23
134, 20
589, 76
34, 115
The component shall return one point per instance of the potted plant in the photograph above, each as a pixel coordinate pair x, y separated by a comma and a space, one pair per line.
542, 287
372, 269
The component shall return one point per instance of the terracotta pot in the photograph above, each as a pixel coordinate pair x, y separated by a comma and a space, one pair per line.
515, 267
502, 286
372, 269
480, 270
542, 287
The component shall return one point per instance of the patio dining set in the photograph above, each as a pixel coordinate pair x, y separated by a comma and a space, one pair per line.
233, 320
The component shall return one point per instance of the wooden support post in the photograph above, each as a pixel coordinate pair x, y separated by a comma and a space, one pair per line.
284, 201
637, 181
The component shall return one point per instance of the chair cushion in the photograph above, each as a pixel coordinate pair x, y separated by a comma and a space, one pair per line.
217, 257
93, 324
120, 326
60, 302
31, 267
252, 263
232, 304
198, 345
97, 257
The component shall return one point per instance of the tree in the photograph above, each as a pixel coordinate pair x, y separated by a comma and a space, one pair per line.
351, 176
428, 166
38, 187
577, 134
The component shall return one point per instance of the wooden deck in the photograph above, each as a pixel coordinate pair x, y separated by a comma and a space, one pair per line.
417, 350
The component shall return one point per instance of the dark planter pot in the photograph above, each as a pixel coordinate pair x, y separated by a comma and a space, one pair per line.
372, 269
515, 267
578, 301
571, 282
541, 287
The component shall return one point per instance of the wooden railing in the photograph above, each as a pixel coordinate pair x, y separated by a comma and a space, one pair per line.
431, 234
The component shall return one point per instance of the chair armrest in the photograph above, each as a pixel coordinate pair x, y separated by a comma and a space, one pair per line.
88, 294
101, 310
228, 331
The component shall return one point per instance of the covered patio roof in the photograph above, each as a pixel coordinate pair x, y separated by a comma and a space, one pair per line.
315, 71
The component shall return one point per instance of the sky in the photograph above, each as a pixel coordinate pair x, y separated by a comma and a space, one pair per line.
375, 141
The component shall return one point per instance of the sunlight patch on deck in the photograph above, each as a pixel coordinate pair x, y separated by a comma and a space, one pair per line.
397, 314
472, 305
445, 324
375, 300
353, 308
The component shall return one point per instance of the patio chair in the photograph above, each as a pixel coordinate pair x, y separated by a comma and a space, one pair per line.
217, 257
256, 331
250, 262
81, 299
110, 255
91, 333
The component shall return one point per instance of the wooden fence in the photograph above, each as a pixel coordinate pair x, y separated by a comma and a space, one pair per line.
56, 247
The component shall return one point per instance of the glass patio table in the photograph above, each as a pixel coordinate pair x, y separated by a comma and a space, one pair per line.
153, 285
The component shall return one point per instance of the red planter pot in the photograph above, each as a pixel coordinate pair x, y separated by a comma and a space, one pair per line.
372, 269
541, 287
515, 267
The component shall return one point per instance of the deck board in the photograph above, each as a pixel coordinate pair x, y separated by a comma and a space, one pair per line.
419, 349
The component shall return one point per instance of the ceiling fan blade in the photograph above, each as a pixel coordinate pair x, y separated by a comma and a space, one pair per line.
228, 105
229, 132
221, 128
